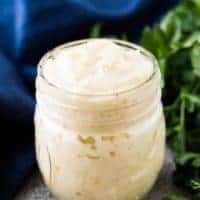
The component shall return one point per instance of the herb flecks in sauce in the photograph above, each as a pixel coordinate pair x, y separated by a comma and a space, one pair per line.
87, 140
112, 153
108, 138
93, 157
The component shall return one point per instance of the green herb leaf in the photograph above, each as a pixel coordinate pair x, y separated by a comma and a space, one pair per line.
96, 31
174, 197
195, 58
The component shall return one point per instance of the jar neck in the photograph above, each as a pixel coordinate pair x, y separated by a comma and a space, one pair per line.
76, 111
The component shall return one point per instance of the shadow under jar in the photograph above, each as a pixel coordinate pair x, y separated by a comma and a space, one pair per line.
100, 147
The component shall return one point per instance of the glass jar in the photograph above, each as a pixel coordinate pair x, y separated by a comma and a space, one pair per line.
99, 147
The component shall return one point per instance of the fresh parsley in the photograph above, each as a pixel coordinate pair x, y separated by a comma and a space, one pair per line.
176, 44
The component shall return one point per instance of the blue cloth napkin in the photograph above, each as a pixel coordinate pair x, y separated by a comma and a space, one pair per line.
30, 28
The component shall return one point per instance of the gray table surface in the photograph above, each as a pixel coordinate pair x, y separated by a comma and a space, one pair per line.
36, 190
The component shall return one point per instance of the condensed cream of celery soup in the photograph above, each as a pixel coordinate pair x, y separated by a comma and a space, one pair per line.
100, 131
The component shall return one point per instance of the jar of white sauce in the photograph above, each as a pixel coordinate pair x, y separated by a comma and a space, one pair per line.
100, 130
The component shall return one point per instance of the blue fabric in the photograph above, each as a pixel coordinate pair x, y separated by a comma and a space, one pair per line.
27, 30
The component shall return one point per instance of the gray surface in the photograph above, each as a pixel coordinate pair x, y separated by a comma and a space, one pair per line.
36, 190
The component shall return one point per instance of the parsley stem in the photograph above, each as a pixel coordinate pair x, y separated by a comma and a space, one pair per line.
172, 106
182, 124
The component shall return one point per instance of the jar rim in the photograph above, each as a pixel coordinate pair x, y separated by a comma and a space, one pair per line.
126, 44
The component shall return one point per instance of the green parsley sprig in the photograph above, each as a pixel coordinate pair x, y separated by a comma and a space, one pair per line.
176, 44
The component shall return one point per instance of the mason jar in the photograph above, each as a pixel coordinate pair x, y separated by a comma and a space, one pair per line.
99, 147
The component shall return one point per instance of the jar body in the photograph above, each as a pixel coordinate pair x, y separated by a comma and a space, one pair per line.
100, 148
119, 165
